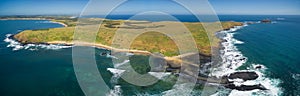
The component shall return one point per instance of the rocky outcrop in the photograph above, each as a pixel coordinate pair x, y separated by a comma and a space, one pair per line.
243, 75
246, 87
266, 21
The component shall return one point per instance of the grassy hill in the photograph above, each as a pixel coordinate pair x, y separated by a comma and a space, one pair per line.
150, 41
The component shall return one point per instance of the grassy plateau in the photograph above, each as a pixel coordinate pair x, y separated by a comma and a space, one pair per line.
150, 41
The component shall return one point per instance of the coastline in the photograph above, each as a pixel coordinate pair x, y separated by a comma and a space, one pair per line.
51, 20
170, 60
65, 34
101, 46
207, 58
242, 35
63, 24
232, 59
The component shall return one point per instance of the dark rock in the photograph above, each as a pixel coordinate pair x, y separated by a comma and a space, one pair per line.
243, 75
258, 67
266, 21
243, 59
246, 87
103, 54
172, 70
250, 22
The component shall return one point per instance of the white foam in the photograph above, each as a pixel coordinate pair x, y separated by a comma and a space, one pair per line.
232, 58
115, 71
110, 56
296, 76
242, 93
238, 42
159, 75
43, 22
18, 46
129, 54
254, 67
122, 63
280, 18
271, 84
117, 91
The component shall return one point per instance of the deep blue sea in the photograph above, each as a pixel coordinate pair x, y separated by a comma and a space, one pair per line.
49, 72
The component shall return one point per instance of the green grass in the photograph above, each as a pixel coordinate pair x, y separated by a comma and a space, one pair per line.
150, 41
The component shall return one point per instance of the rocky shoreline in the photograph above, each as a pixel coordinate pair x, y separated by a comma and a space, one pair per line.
173, 64
230, 80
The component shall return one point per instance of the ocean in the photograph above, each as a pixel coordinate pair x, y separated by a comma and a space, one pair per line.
44, 70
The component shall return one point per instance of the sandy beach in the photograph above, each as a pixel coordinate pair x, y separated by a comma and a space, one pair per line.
65, 25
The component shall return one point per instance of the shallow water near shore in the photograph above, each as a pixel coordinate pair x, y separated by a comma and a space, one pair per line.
50, 72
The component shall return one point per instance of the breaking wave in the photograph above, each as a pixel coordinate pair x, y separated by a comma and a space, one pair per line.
159, 75
15, 45
232, 59
268, 83
116, 91
296, 76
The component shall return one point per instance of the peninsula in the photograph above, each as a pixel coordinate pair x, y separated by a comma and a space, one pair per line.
146, 44
149, 42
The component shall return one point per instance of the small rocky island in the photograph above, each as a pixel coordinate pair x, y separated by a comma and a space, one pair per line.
244, 76
266, 21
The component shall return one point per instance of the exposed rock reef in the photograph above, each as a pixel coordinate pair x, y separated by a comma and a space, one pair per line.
243, 75
266, 21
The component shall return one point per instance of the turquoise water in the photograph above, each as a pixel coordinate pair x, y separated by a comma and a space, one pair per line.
277, 47
35, 73
48, 72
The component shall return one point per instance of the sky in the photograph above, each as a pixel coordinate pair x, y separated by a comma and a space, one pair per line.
75, 7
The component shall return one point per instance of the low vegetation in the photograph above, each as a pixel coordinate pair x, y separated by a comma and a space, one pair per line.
150, 41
